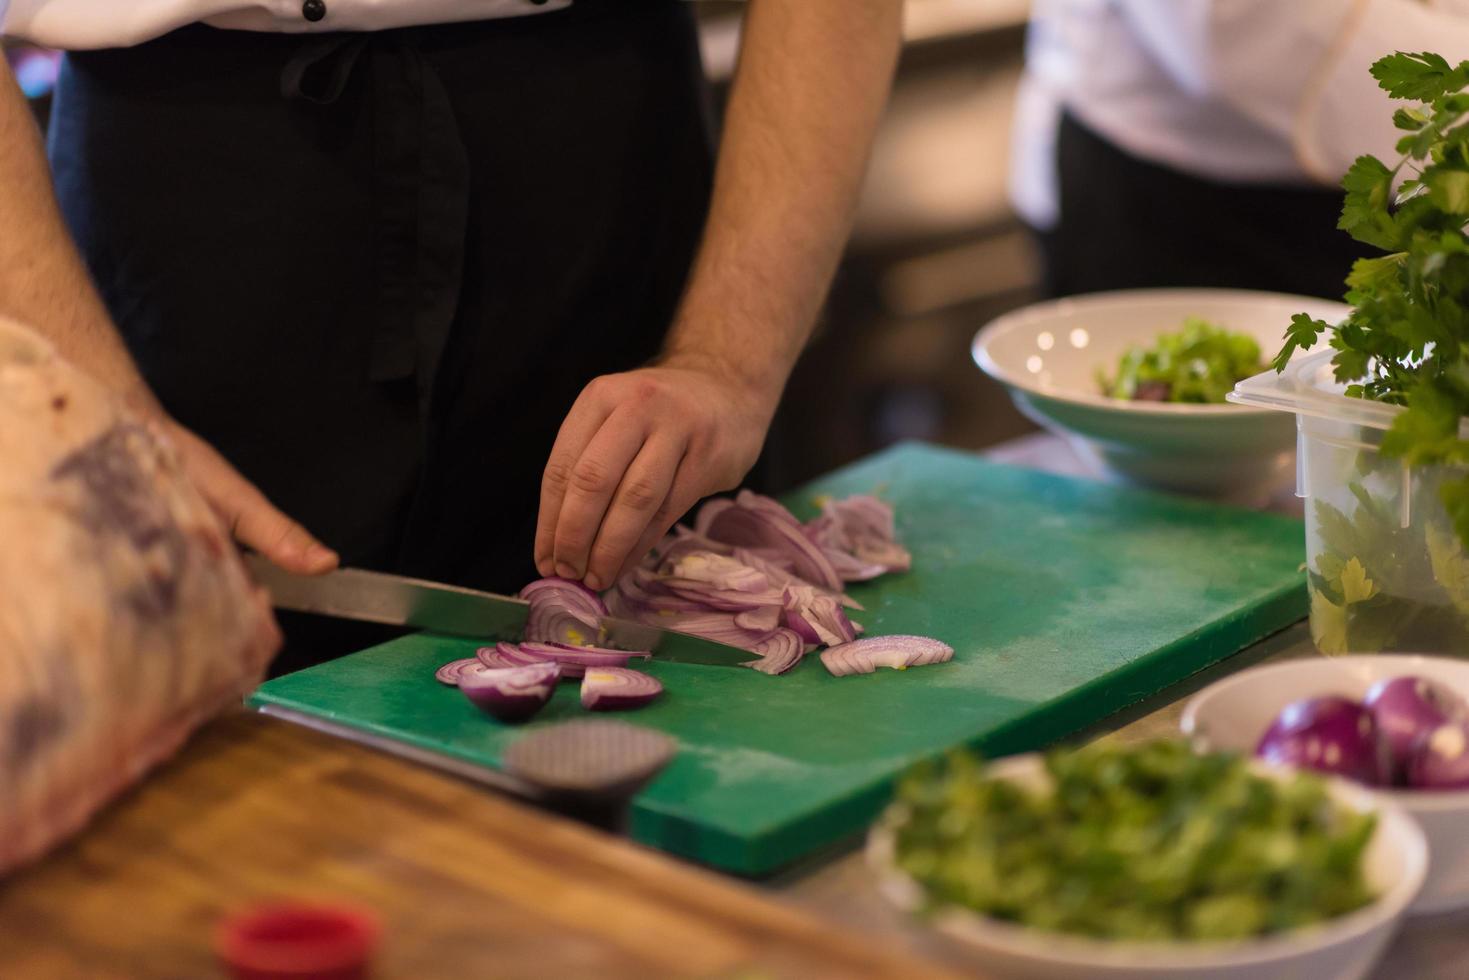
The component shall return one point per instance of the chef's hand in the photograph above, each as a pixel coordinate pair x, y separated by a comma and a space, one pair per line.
636, 451
250, 517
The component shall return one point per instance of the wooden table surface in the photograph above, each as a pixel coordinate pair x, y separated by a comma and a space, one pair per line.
472, 884
468, 883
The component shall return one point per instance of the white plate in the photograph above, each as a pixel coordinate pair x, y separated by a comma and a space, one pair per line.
1048, 356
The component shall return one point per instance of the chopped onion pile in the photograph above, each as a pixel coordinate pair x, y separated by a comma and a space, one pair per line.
750, 575
1408, 732
617, 689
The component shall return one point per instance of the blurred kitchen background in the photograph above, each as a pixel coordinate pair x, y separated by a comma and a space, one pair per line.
937, 251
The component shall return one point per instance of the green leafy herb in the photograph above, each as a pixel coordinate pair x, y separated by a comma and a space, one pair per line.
1406, 341
1152, 842
1200, 363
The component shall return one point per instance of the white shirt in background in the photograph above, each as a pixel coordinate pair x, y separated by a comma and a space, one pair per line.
82, 24
1248, 91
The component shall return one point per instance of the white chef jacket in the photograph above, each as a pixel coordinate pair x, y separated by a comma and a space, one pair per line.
1249, 91
81, 24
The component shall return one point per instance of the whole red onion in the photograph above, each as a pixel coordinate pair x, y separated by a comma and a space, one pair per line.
1440, 758
1331, 734
1407, 707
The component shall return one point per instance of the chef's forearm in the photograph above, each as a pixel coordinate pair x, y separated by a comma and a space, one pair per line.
812, 81
43, 282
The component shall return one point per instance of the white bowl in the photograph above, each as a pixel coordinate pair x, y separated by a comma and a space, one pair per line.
1048, 356
1233, 713
1342, 949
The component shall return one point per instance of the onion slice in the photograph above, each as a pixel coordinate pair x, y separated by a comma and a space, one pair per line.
562, 611
779, 652
491, 657
898, 652
510, 693
449, 673
617, 689
585, 656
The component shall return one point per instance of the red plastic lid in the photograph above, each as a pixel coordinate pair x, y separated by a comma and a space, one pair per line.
296, 941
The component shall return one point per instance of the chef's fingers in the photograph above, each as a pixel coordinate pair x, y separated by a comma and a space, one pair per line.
589, 487
252, 519
587, 414
686, 491
257, 524
639, 498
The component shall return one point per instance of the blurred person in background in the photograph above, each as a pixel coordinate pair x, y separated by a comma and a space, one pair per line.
1201, 142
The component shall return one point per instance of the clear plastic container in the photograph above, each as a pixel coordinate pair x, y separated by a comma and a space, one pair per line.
1386, 570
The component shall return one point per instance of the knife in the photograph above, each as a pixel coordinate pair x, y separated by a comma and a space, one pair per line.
377, 597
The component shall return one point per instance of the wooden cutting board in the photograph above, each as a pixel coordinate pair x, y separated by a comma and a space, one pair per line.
1064, 600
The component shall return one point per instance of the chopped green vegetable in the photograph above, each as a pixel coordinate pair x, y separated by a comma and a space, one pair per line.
1144, 843
1200, 363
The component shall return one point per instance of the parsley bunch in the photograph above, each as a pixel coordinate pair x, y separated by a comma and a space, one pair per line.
1406, 341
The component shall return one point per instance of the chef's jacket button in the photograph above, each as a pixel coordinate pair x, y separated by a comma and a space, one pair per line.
313, 10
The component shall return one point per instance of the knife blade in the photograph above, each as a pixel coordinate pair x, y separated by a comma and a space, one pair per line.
395, 600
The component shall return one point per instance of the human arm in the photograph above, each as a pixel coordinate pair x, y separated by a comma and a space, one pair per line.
638, 449
44, 283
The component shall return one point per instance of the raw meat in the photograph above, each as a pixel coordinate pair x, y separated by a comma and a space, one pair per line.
126, 616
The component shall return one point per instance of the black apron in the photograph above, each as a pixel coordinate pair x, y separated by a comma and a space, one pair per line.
1129, 223
375, 270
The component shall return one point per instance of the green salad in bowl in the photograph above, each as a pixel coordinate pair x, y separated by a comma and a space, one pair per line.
1148, 843
1198, 364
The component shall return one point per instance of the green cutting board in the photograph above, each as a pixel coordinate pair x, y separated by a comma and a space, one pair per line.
1064, 600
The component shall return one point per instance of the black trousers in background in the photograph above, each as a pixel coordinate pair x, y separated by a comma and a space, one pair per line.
1128, 223
376, 270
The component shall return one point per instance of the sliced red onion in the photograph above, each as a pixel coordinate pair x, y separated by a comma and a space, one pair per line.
566, 592
449, 673
763, 619
1331, 734
717, 626
490, 657
1406, 707
779, 652
720, 571
586, 656
725, 600
799, 625
859, 536
617, 689
1440, 758
643, 591
898, 652
683, 541
515, 655
816, 617
511, 693
756, 522
562, 611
